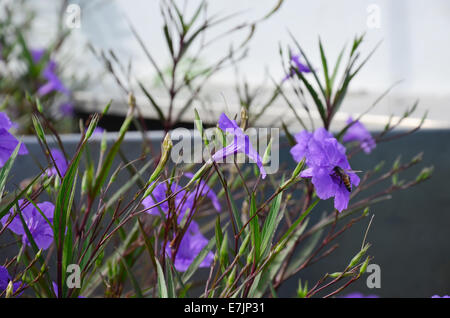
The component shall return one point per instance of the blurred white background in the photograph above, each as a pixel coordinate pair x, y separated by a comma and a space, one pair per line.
415, 46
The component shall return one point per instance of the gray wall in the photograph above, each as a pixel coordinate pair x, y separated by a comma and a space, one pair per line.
409, 233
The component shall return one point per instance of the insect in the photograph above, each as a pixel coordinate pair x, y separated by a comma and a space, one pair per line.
342, 174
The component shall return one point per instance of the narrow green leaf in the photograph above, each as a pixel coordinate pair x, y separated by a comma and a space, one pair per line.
162, 287
4, 171
133, 279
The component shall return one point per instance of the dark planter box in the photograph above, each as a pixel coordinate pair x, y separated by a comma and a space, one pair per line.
409, 232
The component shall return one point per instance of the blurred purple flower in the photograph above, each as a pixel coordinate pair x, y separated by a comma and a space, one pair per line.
60, 161
183, 201
193, 241
67, 109
358, 132
302, 68
49, 73
5, 278
39, 228
359, 295
437, 296
241, 144
298, 65
326, 160
8, 142
190, 246
205, 190
98, 131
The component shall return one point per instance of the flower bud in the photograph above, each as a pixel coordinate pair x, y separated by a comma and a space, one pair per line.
57, 182
39, 106
302, 291
165, 153
9, 290
38, 128
355, 260
231, 277
364, 266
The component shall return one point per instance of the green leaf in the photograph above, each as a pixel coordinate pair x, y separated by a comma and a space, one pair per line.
162, 287
148, 244
254, 228
271, 224
314, 95
325, 70
171, 288
168, 38
133, 279
304, 253
102, 175
4, 171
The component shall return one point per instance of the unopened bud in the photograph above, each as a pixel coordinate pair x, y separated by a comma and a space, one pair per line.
355, 260
57, 182
39, 106
244, 118
9, 290
165, 153
364, 266
425, 174
231, 277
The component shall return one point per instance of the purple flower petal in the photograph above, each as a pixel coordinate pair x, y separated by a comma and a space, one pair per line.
183, 201
327, 166
358, 132
8, 144
67, 109
241, 144
5, 122
60, 161
190, 246
206, 190
39, 228
5, 278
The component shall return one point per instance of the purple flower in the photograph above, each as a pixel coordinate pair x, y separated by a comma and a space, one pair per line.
8, 142
437, 296
328, 166
298, 65
205, 190
358, 132
5, 278
182, 200
40, 229
190, 246
302, 68
66, 109
60, 161
241, 144
193, 241
53, 82
359, 295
